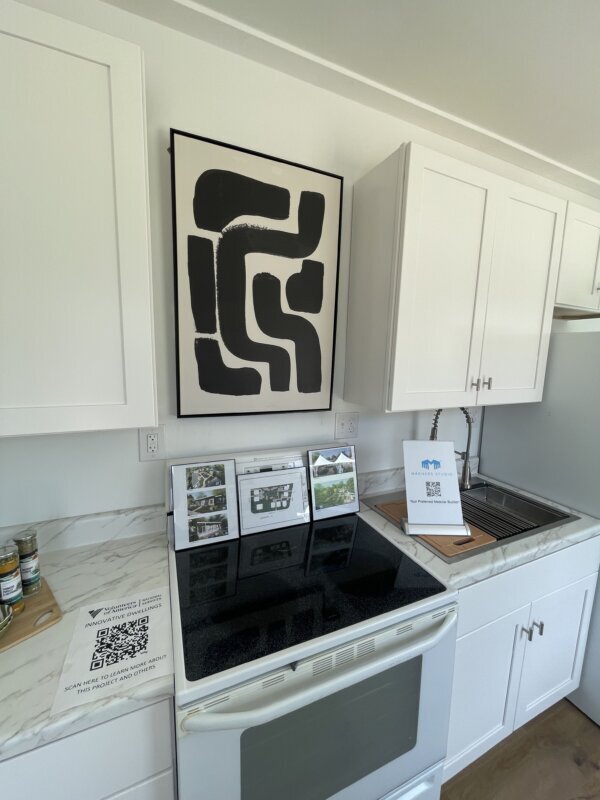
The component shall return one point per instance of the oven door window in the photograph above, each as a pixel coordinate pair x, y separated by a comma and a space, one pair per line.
324, 747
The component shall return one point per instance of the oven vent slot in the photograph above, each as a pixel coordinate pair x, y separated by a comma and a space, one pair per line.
437, 614
344, 656
404, 629
366, 647
215, 702
266, 684
322, 665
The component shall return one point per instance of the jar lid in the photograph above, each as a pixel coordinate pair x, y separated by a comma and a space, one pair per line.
8, 552
26, 537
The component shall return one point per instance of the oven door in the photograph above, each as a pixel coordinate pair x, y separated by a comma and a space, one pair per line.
356, 723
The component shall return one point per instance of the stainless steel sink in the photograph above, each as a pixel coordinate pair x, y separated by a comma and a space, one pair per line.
504, 514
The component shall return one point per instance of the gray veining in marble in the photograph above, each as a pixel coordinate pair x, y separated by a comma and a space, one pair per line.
29, 672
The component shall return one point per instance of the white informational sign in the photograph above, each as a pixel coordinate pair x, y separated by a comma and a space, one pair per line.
116, 645
432, 494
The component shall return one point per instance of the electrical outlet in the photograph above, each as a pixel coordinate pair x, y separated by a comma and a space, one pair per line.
152, 443
346, 425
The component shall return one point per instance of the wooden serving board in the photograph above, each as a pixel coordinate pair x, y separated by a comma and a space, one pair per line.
448, 545
40, 612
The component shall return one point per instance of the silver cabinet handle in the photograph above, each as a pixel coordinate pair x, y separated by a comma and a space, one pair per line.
539, 625
476, 384
487, 383
529, 632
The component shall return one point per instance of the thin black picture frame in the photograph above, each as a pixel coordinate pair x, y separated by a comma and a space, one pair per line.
332, 315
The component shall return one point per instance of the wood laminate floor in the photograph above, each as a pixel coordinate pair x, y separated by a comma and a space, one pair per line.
556, 756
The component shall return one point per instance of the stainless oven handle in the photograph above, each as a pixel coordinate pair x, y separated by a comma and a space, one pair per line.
201, 721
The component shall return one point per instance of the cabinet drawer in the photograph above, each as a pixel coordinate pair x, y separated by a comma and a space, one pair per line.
495, 597
96, 763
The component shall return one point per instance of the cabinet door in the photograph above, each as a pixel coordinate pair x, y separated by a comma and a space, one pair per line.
484, 693
527, 239
553, 660
579, 279
130, 756
76, 341
444, 253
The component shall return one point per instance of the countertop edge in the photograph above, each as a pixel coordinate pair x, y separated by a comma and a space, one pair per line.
482, 566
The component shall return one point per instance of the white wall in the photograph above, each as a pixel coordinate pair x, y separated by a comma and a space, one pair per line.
200, 88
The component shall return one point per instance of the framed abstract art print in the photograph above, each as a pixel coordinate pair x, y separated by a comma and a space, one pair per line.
256, 248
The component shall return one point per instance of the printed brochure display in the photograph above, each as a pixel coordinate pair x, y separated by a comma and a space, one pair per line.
432, 493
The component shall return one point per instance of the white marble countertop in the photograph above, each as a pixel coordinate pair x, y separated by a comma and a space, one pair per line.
29, 672
479, 566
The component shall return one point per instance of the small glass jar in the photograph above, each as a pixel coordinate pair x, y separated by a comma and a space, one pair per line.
30, 564
11, 590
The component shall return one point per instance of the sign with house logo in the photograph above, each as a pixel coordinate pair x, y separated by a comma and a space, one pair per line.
432, 493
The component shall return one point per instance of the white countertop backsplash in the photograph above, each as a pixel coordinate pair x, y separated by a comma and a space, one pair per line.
62, 534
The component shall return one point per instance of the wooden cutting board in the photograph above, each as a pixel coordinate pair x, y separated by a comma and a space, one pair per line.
40, 612
448, 545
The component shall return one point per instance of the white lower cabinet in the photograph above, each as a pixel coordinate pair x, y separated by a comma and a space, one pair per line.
128, 758
522, 638
553, 659
484, 689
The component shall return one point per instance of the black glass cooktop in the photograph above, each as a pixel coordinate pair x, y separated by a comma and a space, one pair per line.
254, 596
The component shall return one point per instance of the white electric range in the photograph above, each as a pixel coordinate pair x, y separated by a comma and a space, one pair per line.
313, 662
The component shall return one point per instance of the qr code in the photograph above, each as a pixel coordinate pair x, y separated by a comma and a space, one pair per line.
114, 644
433, 488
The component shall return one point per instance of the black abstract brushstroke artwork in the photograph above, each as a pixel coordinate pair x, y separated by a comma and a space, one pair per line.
214, 376
274, 322
236, 244
201, 274
261, 264
304, 291
221, 196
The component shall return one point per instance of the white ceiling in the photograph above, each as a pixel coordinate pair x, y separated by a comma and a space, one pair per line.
527, 71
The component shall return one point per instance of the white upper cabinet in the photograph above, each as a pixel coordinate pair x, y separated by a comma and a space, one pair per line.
452, 285
76, 338
518, 317
445, 263
579, 279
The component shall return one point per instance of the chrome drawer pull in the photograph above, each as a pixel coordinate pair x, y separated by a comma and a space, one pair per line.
529, 632
539, 625
487, 383
476, 384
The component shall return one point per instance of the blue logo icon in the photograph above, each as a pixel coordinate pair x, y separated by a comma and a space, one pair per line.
431, 464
